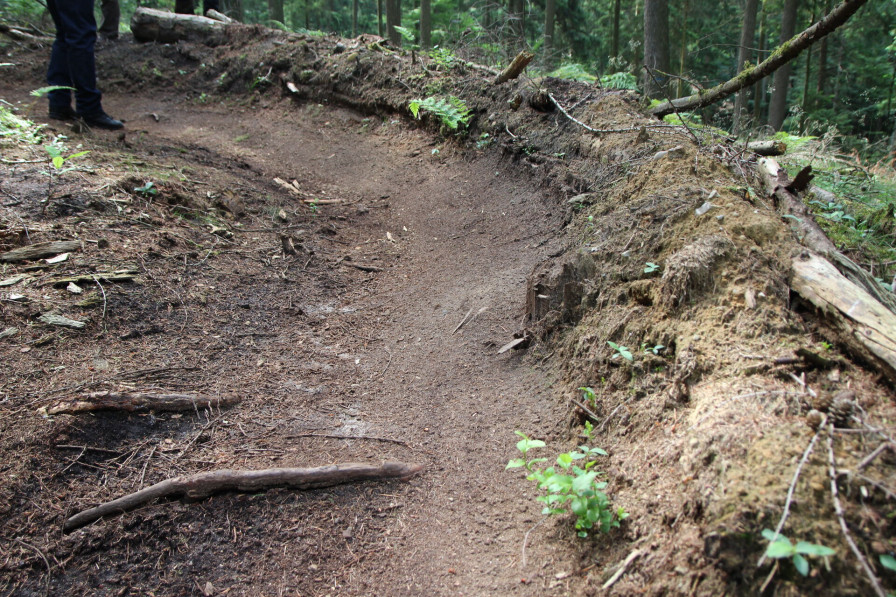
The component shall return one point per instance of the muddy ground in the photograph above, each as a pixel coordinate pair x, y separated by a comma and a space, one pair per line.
400, 235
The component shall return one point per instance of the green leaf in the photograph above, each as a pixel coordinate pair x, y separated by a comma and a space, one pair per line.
802, 566
564, 460
780, 549
58, 161
813, 549
45, 90
515, 463
583, 482
414, 107
769, 535
77, 155
888, 562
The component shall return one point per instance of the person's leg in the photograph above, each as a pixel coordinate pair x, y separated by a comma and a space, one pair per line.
111, 17
79, 36
57, 72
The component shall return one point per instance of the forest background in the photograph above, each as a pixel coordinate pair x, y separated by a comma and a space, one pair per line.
842, 87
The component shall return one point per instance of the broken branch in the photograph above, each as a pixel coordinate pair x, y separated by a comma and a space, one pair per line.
202, 485
138, 402
516, 67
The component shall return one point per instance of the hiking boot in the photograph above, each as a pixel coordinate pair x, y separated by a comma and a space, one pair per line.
62, 113
101, 120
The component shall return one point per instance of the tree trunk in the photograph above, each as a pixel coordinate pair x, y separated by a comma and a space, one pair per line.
759, 87
379, 17
745, 54
161, 26
616, 12
235, 10
807, 75
183, 7
778, 58
683, 49
425, 24
275, 10
822, 81
656, 47
550, 12
777, 109
393, 20
354, 18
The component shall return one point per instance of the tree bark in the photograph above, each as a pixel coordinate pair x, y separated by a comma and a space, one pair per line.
354, 18
40, 250
759, 86
683, 49
777, 108
656, 47
516, 67
138, 402
779, 57
202, 485
550, 13
393, 19
183, 7
425, 24
617, 9
822, 80
744, 55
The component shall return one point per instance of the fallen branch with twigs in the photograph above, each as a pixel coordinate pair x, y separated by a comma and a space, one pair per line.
203, 485
138, 402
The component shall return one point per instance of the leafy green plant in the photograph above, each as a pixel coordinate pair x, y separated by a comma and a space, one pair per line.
18, 129
484, 141
781, 547
655, 349
574, 72
57, 159
621, 351
451, 111
147, 190
621, 80
570, 487
888, 562
443, 58
589, 395
588, 432
650, 267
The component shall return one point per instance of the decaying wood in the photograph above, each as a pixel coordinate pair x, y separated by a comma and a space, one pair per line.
138, 402
91, 278
865, 325
202, 485
767, 148
161, 26
516, 67
781, 56
60, 320
218, 16
41, 250
813, 237
23, 36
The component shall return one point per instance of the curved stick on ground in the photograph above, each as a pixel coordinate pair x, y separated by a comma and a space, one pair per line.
202, 485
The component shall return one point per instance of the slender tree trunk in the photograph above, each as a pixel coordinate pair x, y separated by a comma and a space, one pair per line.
806, 78
393, 19
656, 47
550, 12
841, 48
275, 10
759, 87
744, 54
777, 109
822, 81
379, 17
183, 7
616, 12
683, 50
354, 18
425, 24
308, 14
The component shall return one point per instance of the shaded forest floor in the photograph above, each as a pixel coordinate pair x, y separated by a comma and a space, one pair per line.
334, 311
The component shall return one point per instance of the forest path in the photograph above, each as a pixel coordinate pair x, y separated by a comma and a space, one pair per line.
457, 237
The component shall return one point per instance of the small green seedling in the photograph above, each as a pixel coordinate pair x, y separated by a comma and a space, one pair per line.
58, 159
650, 267
647, 349
588, 432
888, 562
571, 486
621, 351
147, 190
589, 395
780, 547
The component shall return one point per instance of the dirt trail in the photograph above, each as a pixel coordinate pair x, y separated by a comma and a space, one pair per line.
376, 357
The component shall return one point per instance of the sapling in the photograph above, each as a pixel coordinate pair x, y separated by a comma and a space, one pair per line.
780, 547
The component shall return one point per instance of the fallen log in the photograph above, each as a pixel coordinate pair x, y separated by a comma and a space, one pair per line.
865, 326
24, 37
516, 67
138, 402
813, 237
203, 485
767, 148
161, 26
41, 250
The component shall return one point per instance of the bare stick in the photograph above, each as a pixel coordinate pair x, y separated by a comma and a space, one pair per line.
526, 538
633, 129
832, 472
43, 557
202, 485
367, 437
587, 410
621, 570
462, 321
870, 458
790, 490
516, 67
138, 402
145, 464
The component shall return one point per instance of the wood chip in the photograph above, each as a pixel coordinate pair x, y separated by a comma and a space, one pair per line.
62, 321
41, 250
511, 344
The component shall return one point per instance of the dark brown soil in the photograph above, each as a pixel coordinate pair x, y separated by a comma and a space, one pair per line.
703, 439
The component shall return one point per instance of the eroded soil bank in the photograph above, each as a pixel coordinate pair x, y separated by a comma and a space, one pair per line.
335, 311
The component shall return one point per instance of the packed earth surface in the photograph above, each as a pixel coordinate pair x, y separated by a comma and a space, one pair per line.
348, 279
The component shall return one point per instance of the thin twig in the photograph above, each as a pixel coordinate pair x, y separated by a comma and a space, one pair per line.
682, 120
367, 437
587, 410
790, 490
870, 458
832, 472
104, 294
43, 557
622, 568
526, 539
769, 578
145, 464
607, 131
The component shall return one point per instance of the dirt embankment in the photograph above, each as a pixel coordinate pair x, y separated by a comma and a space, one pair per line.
332, 310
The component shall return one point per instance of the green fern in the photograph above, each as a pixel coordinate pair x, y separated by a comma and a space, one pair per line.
451, 111
621, 80
574, 72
